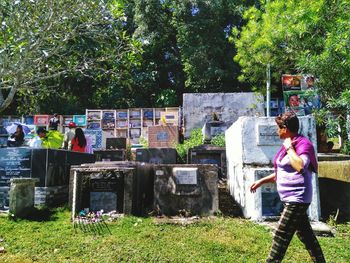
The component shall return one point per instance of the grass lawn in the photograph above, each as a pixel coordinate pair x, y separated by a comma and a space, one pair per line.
142, 240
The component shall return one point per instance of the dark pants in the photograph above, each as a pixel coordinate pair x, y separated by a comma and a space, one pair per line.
294, 219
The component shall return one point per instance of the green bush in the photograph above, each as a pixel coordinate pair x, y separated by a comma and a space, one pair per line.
218, 140
346, 148
144, 142
195, 139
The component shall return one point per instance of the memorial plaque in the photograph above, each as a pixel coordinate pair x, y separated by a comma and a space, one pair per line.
185, 175
106, 201
267, 135
14, 162
103, 194
103, 185
162, 136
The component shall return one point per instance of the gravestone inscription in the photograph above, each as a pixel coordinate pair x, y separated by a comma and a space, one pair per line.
267, 135
185, 175
103, 192
14, 162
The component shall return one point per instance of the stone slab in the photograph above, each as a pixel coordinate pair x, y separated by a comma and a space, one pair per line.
21, 196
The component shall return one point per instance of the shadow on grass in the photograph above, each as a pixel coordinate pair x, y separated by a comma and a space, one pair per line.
40, 214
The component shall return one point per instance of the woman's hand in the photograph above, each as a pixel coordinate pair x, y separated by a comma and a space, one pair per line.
287, 143
267, 179
255, 186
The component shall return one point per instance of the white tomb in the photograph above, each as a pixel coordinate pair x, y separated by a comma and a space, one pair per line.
251, 144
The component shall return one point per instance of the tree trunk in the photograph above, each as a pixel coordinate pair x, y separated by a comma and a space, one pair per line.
4, 103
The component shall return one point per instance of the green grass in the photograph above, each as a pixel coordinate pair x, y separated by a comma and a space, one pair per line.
142, 240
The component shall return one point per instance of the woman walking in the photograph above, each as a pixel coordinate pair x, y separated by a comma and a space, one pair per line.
294, 164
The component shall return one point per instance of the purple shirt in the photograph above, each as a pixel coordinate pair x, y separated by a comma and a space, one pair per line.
291, 185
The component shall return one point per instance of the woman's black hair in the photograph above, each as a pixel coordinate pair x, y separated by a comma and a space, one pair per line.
288, 120
79, 134
20, 127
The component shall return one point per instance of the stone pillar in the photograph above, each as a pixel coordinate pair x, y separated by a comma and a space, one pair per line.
22, 195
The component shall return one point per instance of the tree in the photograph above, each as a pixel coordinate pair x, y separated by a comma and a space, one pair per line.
299, 37
45, 43
203, 29
160, 78
186, 47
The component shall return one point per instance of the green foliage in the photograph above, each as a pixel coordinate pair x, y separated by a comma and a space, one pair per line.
144, 142
346, 148
128, 153
54, 50
218, 140
203, 37
195, 139
307, 36
298, 36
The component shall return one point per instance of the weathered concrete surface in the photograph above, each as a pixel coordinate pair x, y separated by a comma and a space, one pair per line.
81, 188
108, 155
337, 170
189, 189
335, 198
209, 154
251, 144
332, 157
138, 185
334, 180
156, 155
199, 107
22, 195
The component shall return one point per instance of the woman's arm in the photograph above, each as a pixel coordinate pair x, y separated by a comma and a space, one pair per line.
267, 179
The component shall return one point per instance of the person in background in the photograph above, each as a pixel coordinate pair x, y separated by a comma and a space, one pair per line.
46, 139
68, 136
17, 138
294, 164
79, 141
37, 142
54, 122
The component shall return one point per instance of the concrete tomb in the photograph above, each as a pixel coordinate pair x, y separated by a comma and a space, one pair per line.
212, 129
126, 187
209, 154
186, 189
156, 155
252, 143
199, 108
49, 166
22, 196
334, 181
108, 155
